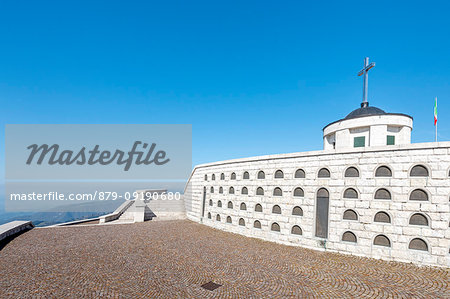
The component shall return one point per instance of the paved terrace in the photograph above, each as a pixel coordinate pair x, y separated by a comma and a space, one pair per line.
173, 258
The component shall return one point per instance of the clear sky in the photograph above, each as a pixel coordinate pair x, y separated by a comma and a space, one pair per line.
252, 77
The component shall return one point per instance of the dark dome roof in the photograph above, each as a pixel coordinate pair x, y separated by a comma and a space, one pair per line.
365, 111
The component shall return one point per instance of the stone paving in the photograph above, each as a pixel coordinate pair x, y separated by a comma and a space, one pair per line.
172, 259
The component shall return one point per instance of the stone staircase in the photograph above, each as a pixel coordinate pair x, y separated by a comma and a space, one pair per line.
153, 210
165, 209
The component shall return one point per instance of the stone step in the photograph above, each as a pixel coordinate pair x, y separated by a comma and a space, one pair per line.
156, 208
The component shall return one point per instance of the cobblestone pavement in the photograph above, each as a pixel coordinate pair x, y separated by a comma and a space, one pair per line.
172, 259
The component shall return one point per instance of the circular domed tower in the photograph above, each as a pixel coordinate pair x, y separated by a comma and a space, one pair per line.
367, 127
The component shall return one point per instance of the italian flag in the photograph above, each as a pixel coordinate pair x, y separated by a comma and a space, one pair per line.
435, 111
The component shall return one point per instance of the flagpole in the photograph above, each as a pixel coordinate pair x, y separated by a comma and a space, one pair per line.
435, 116
436, 133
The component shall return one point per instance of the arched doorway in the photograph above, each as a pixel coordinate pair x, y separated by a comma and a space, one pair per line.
322, 205
204, 201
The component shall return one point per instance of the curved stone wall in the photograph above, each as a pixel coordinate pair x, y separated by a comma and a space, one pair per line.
374, 128
401, 217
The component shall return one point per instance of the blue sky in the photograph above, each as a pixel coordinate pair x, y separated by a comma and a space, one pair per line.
252, 77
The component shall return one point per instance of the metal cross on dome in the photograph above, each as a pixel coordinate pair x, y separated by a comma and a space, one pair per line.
364, 72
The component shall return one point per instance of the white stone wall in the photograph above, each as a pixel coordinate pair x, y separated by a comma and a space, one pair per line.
400, 159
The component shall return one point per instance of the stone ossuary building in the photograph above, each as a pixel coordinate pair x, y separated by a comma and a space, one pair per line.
370, 192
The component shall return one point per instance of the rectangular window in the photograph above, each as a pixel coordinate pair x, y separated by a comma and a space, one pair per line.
390, 140
359, 141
